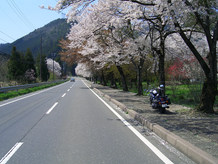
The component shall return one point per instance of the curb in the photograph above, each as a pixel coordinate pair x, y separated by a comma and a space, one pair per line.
193, 152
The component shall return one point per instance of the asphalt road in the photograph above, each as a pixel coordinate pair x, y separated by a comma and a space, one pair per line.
69, 124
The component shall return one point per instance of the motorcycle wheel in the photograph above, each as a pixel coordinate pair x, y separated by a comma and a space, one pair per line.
162, 110
151, 100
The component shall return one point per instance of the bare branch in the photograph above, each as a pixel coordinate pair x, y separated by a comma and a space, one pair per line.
141, 3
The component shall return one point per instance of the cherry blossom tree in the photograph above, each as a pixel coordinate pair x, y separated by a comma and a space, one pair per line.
54, 66
193, 16
99, 42
185, 63
137, 47
83, 70
105, 30
30, 75
69, 55
165, 17
201, 16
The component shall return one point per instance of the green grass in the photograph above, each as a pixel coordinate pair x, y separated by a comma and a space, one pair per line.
186, 94
11, 94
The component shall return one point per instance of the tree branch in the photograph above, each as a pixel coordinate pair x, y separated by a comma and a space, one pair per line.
215, 33
141, 3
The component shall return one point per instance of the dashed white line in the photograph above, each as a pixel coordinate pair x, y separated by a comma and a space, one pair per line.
49, 111
139, 135
68, 90
63, 95
11, 152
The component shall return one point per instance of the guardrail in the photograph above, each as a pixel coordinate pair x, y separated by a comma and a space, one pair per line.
12, 88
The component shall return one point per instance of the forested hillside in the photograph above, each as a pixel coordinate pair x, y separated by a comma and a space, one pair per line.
50, 33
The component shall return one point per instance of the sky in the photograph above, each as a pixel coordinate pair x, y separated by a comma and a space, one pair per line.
20, 17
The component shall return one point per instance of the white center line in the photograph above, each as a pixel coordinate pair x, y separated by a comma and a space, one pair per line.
49, 111
139, 135
11, 152
68, 90
63, 95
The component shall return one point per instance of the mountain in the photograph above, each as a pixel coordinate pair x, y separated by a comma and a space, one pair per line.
50, 34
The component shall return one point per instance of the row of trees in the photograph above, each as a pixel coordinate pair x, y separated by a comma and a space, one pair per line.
23, 68
115, 33
3, 67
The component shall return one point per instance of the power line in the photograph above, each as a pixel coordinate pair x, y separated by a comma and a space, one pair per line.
20, 14
7, 35
7, 15
3, 40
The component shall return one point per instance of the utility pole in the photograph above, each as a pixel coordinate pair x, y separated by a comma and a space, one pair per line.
53, 56
41, 59
53, 66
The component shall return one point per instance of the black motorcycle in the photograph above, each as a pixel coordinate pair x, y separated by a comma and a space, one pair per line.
158, 100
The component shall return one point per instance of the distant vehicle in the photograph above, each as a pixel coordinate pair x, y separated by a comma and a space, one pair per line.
72, 80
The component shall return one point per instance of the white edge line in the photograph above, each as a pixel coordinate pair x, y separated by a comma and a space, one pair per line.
139, 135
63, 95
11, 152
29, 95
49, 111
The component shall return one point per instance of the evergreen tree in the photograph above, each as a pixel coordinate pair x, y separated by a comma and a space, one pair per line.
44, 76
15, 66
29, 67
29, 61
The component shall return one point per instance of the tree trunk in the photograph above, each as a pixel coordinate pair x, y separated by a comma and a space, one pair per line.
113, 82
209, 89
161, 55
123, 78
161, 71
208, 96
138, 68
139, 80
96, 79
139, 77
103, 81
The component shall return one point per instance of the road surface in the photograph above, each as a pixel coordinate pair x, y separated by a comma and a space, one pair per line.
70, 124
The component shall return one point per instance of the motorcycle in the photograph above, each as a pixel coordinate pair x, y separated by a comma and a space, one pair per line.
159, 100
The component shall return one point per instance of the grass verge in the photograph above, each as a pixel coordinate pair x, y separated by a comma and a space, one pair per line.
11, 94
187, 94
